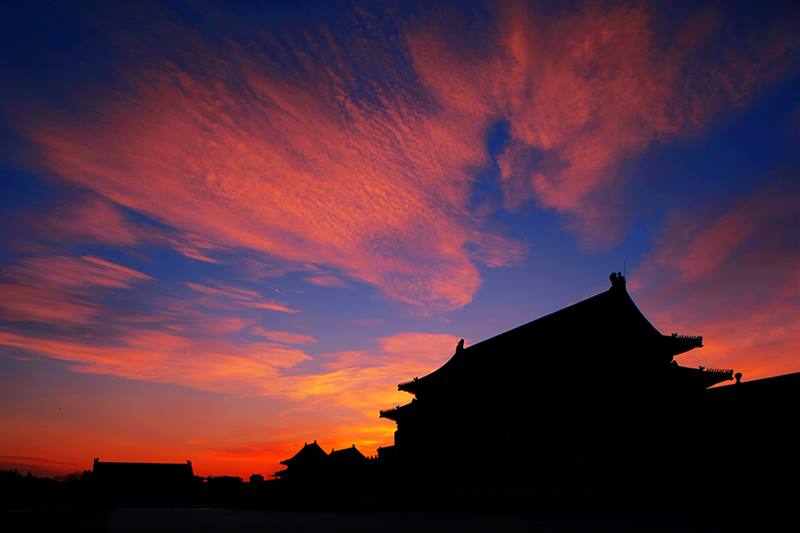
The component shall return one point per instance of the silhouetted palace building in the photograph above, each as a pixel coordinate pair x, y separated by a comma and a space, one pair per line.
312, 463
583, 410
592, 390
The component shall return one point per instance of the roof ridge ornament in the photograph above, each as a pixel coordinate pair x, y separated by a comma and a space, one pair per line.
617, 280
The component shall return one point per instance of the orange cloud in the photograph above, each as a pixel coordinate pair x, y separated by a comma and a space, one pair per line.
338, 403
367, 380
358, 379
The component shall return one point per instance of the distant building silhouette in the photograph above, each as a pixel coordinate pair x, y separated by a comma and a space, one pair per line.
311, 463
308, 463
347, 461
143, 483
318, 480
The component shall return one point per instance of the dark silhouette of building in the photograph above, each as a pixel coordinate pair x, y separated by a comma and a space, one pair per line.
314, 479
582, 410
759, 438
143, 483
347, 462
309, 463
592, 388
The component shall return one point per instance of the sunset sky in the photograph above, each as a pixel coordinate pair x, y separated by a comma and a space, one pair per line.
229, 230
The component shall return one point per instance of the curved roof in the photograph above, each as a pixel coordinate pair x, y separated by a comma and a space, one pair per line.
308, 453
610, 315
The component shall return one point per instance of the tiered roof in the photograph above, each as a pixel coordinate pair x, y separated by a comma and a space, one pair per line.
308, 454
312, 462
611, 316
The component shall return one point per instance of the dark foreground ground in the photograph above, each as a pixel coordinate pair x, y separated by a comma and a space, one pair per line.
236, 521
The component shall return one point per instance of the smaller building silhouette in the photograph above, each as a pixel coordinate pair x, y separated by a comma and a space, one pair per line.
311, 463
314, 479
347, 462
143, 483
308, 463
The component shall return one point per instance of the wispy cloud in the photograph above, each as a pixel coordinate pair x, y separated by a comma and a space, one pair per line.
295, 165
731, 276
90, 220
337, 403
240, 296
586, 90
61, 289
284, 337
299, 164
326, 280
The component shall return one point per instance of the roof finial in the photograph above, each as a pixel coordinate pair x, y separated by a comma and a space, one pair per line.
460, 346
738, 377
617, 280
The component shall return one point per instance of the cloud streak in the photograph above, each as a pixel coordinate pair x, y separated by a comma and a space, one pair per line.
61, 289
239, 296
731, 276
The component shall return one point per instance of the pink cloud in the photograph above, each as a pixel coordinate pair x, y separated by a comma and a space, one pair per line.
326, 281
588, 90
195, 249
243, 297
297, 167
284, 337
299, 170
94, 220
61, 289
70, 272
731, 277
43, 304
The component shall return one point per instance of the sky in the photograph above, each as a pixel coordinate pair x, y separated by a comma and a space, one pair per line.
229, 229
